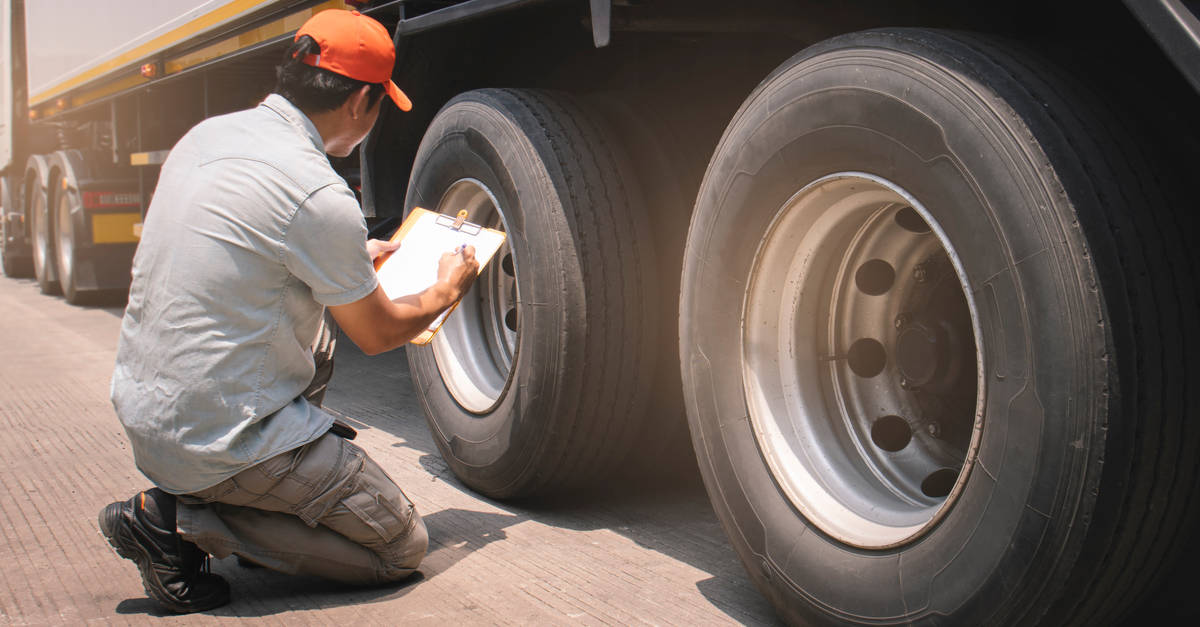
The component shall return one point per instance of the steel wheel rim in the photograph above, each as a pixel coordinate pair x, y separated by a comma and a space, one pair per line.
5, 209
874, 452
477, 345
41, 233
66, 252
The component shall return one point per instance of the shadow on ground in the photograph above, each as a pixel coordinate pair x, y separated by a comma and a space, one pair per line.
111, 302
257, 592
669, 514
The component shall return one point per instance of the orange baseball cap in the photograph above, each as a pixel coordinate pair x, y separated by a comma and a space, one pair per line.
355, 46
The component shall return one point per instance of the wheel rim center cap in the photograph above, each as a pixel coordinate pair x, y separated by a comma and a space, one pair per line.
920, 353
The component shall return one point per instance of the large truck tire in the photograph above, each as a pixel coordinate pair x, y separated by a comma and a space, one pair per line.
934, 347
89, 264
66, 209
540, 380
14, 260
41, 223
667, 174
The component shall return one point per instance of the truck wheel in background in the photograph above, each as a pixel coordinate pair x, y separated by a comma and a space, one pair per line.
539, 380
65, 207
41, 225
933, 353
16, 263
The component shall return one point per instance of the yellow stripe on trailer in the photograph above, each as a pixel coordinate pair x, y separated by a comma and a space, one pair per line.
116, 228
224, 13
254, 36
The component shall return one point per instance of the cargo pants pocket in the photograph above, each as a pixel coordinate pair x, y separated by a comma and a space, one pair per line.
389, 515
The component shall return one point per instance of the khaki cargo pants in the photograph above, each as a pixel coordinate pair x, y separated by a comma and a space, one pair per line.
324, 509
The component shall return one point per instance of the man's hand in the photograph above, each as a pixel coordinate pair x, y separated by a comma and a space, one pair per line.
377, 247
458, 269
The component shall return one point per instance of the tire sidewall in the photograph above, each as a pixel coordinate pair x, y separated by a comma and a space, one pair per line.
63, 171
6, 208
37, 187
9, 210
857, 105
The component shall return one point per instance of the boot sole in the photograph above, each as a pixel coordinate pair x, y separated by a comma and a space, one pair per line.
128, 548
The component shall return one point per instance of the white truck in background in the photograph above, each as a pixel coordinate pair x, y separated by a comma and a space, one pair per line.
912, 283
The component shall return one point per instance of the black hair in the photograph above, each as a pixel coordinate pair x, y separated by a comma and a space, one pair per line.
312, 89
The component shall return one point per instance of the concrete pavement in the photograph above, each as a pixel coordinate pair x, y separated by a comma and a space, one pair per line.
650, 555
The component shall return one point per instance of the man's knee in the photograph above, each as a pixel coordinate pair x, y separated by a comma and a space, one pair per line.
404, 554
378, 516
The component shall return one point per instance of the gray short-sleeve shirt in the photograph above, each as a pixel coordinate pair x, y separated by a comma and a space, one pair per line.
249, 236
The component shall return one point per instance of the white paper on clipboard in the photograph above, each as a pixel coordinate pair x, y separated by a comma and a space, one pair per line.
424, 236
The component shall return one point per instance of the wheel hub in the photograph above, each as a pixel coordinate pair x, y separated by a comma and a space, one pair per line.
66, 238
920, 356
477, 346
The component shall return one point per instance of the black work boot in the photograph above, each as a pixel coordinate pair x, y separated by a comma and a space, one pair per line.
142, 529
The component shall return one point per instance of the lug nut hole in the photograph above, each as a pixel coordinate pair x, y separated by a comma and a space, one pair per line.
866, 357
911, 221
510, 319
891, 433
875, 277
507, 265
939, 483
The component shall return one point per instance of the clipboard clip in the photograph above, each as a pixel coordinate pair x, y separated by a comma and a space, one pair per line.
459, 219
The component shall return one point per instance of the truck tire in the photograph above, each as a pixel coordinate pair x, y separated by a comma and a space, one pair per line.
16, 263
41, 224
934, 352
539, 380
65, 206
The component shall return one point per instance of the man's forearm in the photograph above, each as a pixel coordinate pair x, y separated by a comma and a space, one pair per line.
377, 324
414, 314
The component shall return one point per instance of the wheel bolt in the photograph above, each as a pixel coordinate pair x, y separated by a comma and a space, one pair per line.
934, 429
920, 273
902, 320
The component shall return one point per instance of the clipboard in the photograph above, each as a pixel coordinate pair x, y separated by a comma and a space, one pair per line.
424, 236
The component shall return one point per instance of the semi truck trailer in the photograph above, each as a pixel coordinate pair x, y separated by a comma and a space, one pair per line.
910, 283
